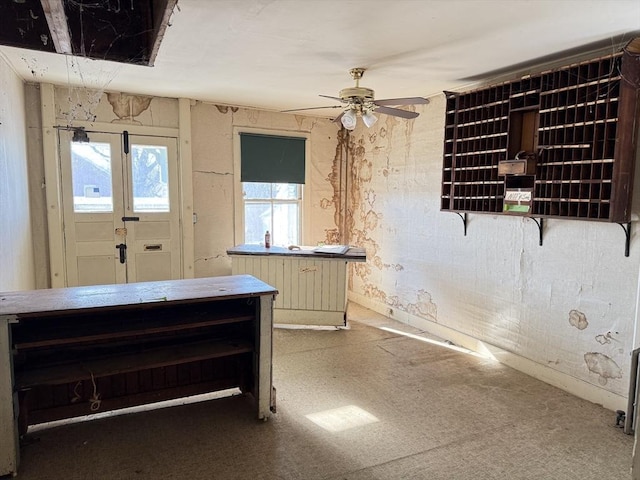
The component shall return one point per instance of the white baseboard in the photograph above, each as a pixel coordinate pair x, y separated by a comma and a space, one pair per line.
308, 317
569, 384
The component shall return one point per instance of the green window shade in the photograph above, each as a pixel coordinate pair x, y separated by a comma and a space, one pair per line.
271, 159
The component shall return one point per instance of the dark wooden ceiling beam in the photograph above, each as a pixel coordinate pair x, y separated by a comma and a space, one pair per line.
162, 10
58, 27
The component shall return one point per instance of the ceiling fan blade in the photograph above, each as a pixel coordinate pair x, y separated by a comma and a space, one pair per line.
396, 112
402, 101
338, 118
311, 108
334, 98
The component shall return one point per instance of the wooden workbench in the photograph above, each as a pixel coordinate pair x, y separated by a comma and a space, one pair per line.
76, 351
312, 284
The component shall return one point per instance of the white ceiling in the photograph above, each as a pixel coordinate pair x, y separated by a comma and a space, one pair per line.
280, 54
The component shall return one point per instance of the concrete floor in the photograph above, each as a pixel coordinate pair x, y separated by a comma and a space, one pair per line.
355, 404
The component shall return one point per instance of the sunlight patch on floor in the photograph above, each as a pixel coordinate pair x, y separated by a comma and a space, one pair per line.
450, 346
342, 418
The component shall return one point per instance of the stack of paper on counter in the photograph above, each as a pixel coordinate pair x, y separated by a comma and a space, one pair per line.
334, 249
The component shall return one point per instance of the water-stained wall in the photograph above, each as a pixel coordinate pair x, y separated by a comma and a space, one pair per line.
82, 104
213, 178
211, 140
568, 305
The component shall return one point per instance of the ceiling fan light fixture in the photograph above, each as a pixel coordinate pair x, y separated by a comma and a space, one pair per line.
349, 119
369, 119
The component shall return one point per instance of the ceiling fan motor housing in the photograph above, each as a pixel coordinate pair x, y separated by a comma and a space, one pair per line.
357, 94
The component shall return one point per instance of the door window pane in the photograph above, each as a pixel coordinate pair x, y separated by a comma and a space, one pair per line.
91, 177
150, 178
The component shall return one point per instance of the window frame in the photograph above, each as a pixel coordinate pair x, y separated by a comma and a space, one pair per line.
306, 188
272, 202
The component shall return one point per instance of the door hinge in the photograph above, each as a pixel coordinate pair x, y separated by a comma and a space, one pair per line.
125, 139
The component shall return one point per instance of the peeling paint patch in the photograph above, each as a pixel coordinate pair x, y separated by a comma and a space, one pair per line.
424, 307
332, 236
370, 197
362, 270
34, 67
602, 365
337, 180
371, 220
578, 319
226, 108
82, 105
606, 338
372, 291
127, 107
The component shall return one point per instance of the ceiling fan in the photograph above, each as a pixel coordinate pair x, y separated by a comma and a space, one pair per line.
360, 102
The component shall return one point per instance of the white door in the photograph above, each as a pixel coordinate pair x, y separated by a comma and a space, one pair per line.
121, 208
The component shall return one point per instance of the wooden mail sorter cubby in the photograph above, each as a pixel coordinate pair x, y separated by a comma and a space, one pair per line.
558, 144
76, 351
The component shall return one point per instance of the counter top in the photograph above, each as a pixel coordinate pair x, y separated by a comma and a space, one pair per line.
141, 294
353, 254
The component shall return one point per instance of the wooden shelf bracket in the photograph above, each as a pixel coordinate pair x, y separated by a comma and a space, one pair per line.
464, 221
540, 225
627, 232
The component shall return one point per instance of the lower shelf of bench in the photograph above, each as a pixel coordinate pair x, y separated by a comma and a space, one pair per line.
130, 362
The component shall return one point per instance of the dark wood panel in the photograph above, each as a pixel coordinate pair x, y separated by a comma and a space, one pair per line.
575, 124
129, 362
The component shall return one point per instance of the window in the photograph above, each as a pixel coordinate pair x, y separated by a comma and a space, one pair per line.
275, 207
150, 178
270, 173
91, 177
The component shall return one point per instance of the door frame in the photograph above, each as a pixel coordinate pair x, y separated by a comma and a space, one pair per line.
53, 178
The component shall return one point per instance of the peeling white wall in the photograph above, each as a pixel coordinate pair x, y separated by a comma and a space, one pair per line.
81, 104
568, 305
212, 155
213, 177
16, 250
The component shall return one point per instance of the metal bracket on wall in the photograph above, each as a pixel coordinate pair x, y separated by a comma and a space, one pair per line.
464, 221
540, 225
627, 232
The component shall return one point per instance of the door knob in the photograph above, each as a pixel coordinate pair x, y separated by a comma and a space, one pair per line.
123, 252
